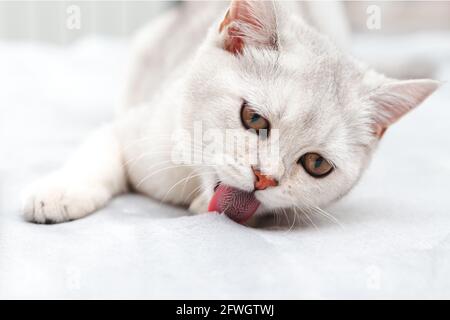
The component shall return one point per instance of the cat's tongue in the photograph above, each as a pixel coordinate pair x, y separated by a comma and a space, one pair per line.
238, 205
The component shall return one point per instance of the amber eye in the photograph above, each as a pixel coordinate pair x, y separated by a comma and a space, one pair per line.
252, 120
316, 165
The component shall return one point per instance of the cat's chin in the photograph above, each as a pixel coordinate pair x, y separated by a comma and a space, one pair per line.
270, 200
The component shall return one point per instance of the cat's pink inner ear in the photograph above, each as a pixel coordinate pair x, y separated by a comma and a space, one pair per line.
394, 99
232, 41
246, 21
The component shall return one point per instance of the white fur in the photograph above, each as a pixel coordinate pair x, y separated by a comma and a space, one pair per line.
91, 177
320, 99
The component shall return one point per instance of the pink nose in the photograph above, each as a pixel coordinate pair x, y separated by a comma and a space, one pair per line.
263, 181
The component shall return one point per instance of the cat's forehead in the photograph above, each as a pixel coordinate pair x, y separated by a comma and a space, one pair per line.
312, 99
287, 84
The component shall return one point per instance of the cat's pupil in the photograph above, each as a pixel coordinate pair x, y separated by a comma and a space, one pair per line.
255, 117
318, 163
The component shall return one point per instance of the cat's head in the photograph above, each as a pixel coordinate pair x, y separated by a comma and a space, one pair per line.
262, 68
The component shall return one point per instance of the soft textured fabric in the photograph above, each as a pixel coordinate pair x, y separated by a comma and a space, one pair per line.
392, 239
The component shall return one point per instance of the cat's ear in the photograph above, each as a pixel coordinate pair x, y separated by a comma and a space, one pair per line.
249, 23
394, 99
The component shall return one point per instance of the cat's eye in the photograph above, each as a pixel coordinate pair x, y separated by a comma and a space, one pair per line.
252, 120
316, 165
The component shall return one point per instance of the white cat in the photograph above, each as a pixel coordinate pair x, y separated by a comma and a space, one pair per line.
261, 67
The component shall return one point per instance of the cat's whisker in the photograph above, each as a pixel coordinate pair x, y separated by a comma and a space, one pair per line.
328, 216
192, 192
318, 211
167, 161
159, 151
277, 217
167, 147
274, 216
158, 171
288, 221
295, 219
211, 186
183, 180
197, 189
151, 137
310, 220
131, 162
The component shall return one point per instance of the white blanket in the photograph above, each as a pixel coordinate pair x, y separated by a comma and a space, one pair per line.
392, 238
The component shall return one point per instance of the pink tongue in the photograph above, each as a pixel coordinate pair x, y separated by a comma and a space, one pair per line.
238, 205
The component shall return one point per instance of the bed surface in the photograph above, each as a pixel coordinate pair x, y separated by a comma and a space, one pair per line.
392, 239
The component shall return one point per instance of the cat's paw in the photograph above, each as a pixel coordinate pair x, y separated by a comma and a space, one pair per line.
199, 204
55, 202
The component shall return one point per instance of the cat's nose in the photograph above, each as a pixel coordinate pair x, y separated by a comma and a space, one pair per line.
263, 181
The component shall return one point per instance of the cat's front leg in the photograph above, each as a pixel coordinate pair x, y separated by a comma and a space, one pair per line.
199, 204
86, 183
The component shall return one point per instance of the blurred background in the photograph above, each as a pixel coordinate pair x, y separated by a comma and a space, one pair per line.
47, 20
63, 65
